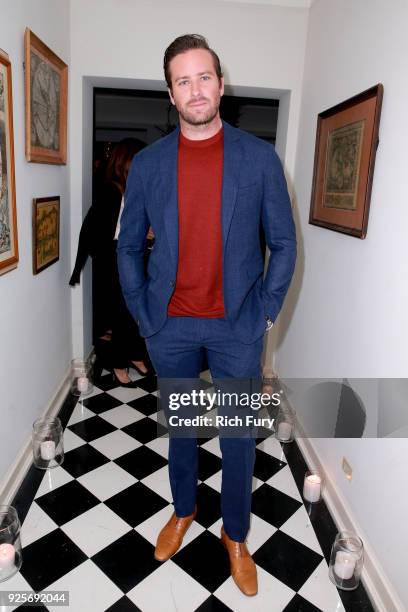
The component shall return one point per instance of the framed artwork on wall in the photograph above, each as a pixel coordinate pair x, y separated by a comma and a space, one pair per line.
8, 214
345, 150
46, 224
46, 87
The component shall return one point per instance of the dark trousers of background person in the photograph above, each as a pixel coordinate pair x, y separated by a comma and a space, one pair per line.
176, 351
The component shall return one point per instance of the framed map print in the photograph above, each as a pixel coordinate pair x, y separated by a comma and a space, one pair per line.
8, 217
46, 224
46, 86
346, 146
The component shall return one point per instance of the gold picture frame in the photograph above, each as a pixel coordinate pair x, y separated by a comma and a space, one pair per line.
8, 213
46, 226
346, 146
46, 91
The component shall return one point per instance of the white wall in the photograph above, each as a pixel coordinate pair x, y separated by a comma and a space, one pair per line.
347, 306
260, 46
35, 332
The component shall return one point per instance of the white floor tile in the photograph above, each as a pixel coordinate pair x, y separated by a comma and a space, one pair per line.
215, 480
115, 444
160, 446
167, 589
213, 446
150, 528
259, 532
53, 478
36, 524
71, 440
15, 583
80, 413
159, 483
320, 591
122, 415
95, 529
89, 589
106, 480
284, 481
272, 595
272, 447
298, 526
125, 395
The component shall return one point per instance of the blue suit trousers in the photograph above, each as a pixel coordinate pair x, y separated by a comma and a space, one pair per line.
177, 351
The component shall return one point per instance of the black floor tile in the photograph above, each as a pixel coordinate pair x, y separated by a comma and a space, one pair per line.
147, 404
102, 402
136, 503
206, 560
123, 605
273, 506
145, 430
83, 459
66, 502
212, 604
287, 559
208, 505
299, 604
148, 383
141, 462
92, 428
208, 464
49, 558
266, 466
127, 561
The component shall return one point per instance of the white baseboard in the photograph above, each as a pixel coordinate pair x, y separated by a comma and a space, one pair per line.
381, 592
19, 468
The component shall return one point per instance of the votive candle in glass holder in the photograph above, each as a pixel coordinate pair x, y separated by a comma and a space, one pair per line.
48, 443
346, 561
312, 486
284, 426
10, 543
81, 377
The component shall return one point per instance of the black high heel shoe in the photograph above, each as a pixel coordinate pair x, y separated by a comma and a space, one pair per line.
129, 385
149, 370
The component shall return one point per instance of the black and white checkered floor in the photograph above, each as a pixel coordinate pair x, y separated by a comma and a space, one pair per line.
90, 525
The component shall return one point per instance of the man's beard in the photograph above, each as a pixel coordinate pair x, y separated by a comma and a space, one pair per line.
200, 119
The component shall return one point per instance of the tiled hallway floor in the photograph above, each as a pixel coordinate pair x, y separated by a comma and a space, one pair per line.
90, 525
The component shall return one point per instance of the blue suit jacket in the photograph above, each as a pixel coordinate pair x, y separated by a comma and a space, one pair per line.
253, 191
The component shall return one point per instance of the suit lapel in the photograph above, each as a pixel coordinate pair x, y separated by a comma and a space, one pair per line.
231, 165
169, 165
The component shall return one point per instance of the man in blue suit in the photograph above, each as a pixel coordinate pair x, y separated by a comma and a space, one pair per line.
205, 189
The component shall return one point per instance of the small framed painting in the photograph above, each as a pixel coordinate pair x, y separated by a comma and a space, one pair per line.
8, 215
46, 225
46, 87
346, 146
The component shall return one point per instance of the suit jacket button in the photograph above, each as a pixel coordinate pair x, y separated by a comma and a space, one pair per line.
172, 283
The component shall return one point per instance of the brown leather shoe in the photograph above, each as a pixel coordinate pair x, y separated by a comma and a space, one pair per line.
243, 568
171, 536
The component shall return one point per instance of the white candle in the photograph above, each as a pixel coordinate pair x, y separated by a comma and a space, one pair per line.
344, 565
7, 555
83, 383
47, 450
284, 431
311, 488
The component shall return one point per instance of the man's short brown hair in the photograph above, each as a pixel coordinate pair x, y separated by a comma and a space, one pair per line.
185, 43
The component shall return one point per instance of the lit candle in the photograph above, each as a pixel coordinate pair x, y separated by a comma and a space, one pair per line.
47, 450
311, 488
284, 431
7, 555
83, 383
344, 565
